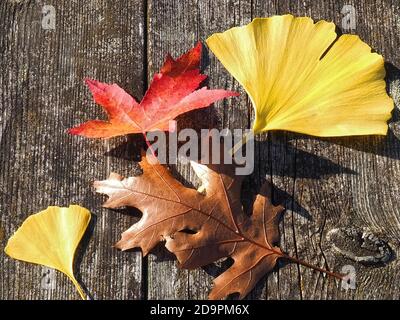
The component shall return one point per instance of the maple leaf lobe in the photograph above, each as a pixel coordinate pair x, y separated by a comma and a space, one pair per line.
172, 92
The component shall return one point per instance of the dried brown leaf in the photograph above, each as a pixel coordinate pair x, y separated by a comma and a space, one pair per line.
218, 226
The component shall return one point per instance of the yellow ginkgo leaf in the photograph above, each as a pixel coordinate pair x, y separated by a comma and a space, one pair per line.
301, 77
50, 238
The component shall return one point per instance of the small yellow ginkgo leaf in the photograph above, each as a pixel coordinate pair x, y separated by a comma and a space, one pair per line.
301, 77
50, 238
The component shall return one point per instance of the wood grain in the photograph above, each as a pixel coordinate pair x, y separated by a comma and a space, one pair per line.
323, 183
42, 95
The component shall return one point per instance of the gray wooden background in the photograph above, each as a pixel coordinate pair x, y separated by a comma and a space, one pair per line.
323, 183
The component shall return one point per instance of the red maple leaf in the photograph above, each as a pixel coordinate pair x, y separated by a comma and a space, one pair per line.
171, 93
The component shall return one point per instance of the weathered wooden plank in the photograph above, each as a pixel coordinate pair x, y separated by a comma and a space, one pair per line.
216, 16
323, 183
357, 187
42, 94
314, 177
172, 28
175, 26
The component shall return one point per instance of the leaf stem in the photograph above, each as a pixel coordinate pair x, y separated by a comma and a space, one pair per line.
308, 265
79, 289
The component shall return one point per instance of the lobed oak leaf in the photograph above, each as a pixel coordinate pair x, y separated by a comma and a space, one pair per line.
218, 227
172, 92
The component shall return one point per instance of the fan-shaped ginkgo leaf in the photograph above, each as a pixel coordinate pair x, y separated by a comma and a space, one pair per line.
50, 238
301, 77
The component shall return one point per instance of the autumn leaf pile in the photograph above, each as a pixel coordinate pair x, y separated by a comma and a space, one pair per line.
198, 227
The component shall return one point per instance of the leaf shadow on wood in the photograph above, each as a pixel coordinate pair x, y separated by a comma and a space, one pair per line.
81, 252
289, 157
288, 167
160, 252
393, 88
129, 149
205, 58
385, 146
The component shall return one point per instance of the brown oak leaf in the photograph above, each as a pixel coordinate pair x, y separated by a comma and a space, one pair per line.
200, 227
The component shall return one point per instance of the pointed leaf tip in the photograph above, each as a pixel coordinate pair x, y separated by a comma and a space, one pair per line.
74, 131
